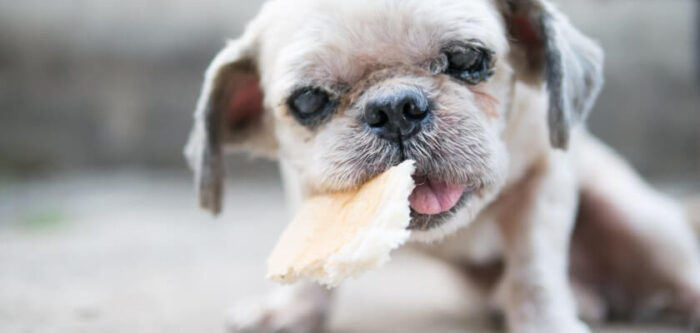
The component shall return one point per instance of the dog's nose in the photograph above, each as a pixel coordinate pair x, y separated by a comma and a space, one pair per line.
397, 116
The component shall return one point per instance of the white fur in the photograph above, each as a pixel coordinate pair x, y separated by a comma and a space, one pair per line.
528, 208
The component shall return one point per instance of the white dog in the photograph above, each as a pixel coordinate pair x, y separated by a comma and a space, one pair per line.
488, 97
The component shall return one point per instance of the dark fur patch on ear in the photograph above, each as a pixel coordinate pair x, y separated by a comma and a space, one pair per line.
558, 117
546, 48
233, 107
530, 27
211, 186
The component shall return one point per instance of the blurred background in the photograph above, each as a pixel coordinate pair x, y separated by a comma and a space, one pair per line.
98, 226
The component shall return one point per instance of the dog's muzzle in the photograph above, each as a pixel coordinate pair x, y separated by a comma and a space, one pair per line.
398, 115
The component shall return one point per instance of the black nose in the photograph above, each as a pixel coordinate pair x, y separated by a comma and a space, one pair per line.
397, 116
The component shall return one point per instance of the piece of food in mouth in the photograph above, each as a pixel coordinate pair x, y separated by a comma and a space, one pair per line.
340, 235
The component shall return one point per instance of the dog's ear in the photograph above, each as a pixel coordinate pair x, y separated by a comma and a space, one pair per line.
230, 115
546, 47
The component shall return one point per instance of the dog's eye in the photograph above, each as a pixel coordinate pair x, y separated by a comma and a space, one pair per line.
308, 102
471, 64
311, 106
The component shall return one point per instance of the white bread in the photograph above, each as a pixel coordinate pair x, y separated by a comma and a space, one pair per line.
340, 235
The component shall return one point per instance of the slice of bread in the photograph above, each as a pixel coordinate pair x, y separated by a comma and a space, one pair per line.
340, 235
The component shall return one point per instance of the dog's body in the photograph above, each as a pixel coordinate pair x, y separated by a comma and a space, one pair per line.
486, 96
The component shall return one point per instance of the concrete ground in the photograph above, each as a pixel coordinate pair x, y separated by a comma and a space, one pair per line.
128, 252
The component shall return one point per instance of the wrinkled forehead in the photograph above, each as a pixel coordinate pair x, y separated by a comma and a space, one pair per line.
338, 41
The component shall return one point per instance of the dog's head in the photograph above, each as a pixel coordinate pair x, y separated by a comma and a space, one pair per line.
340, 91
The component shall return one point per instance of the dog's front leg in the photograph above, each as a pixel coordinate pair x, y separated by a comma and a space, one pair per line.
536, 217
300, 308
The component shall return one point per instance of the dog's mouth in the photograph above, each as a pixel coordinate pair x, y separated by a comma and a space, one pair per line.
432, 196
433, 200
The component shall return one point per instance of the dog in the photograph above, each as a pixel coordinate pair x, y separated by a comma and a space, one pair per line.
489, 97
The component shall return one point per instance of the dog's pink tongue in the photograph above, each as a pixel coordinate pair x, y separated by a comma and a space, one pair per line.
432, 197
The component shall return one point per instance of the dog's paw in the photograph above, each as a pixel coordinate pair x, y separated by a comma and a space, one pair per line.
295, 310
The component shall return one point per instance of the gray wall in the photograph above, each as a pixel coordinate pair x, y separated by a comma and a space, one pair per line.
101, 83
650, 106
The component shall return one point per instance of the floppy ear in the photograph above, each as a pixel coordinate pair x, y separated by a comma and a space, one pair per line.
545, 46
229, 116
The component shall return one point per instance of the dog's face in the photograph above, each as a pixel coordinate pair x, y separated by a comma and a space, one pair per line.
340, 91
